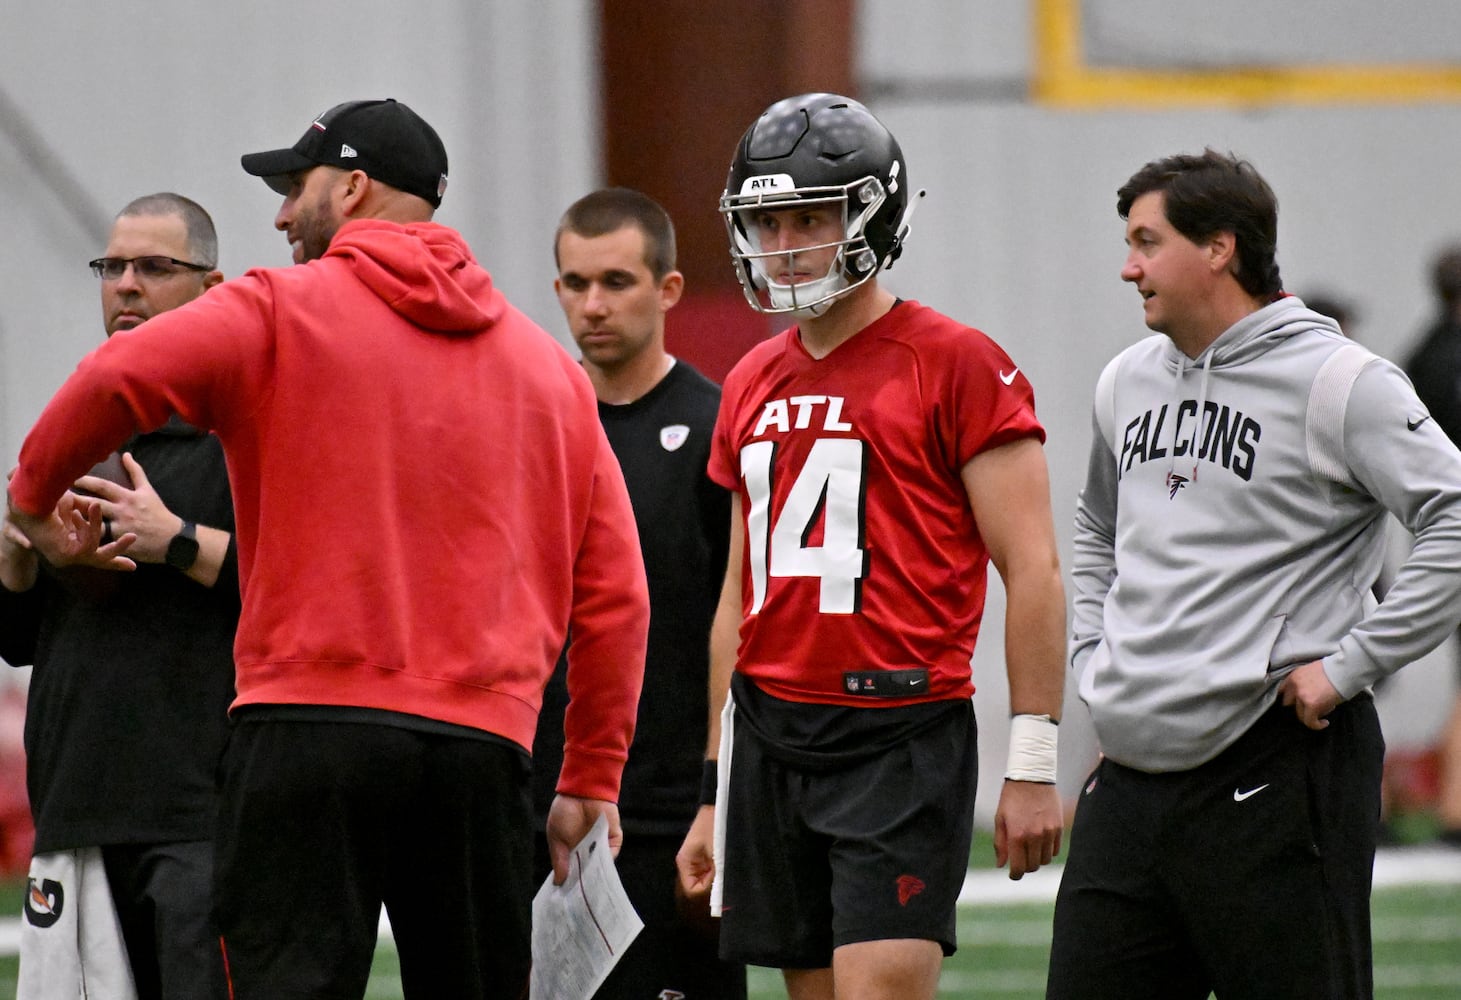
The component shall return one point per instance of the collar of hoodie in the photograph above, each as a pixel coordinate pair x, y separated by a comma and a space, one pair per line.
1250, 337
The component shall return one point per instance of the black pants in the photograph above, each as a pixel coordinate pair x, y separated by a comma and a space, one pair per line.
671, 957
1248, 876
163, 894
322, 822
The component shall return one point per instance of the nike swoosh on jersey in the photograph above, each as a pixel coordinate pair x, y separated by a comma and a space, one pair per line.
1010, 378
1411, 425
1241, 796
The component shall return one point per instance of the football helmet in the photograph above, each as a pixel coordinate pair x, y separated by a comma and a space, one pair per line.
815, 150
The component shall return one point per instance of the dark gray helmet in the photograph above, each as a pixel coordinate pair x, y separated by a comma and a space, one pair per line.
817, 149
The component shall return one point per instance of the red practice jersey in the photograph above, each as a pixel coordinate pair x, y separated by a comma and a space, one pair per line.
861, 550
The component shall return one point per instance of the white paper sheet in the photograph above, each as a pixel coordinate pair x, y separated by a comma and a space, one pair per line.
582, 927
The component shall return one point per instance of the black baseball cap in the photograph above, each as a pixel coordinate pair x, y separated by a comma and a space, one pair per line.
386, 139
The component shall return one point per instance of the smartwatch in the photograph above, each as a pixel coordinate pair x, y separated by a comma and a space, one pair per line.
182, 551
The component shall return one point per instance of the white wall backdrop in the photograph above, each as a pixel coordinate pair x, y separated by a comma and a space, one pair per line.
1018, 235
100, 103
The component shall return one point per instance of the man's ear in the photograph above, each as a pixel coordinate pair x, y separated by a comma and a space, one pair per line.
671, 287
353, 189
1222, 250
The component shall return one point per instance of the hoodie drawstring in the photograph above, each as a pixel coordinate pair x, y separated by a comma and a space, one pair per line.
1197, 424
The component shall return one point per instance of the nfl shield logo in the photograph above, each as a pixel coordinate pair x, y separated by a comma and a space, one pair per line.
673, 436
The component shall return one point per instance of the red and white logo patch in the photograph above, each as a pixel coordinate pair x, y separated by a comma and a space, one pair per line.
671, 437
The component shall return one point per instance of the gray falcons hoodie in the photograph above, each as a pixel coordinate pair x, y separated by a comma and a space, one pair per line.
1213, 556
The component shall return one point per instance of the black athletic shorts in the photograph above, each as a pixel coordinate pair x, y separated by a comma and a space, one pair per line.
820, 856
1248, 876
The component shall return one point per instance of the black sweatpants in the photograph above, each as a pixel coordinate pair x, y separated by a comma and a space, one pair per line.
163, 894
1248, 876
322, 822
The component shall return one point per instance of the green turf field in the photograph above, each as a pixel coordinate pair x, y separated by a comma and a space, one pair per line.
1003, 951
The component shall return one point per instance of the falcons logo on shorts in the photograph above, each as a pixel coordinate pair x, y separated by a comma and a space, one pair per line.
908, 887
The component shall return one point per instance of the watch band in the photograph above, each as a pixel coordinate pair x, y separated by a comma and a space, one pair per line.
182, 551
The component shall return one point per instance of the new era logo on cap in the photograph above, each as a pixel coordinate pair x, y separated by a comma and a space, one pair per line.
385, 139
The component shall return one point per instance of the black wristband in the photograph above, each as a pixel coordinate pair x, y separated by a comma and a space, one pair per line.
709, 779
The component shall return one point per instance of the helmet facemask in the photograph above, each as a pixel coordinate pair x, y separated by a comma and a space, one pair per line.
853, 264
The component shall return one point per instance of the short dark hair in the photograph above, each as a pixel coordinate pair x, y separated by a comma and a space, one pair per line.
611, 209
1217, 193
202, 237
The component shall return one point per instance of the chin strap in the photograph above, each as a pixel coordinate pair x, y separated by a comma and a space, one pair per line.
897, 250
820, 293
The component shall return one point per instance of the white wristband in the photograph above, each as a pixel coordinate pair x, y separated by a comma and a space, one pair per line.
1032, 749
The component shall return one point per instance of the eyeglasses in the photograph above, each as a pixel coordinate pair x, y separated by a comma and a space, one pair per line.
150, 267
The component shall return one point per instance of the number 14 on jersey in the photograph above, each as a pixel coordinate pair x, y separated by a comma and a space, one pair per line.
828, 487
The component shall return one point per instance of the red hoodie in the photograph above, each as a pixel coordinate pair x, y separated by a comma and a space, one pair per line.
425, 498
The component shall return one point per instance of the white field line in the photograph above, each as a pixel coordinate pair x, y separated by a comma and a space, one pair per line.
1397, 866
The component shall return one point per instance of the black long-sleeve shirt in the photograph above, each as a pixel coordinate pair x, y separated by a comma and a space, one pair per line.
133, 675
